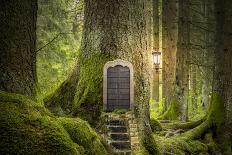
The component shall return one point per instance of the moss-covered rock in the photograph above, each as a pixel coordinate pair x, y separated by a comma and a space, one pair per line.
82, 134
29, 128
179, 146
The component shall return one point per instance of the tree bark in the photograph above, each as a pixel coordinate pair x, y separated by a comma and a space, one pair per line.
219, 115
178, 106
207, 77
170, 26
17, 46
155, 81
114, 30
223, 75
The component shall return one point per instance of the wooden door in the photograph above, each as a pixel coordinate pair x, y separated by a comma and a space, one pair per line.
118, 88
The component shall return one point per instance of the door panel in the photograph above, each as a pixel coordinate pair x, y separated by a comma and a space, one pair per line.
118, 91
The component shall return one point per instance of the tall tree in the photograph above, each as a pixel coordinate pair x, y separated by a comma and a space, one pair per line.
169, 41
113, 30
178, 106
218, 118
207, 69
155, 83
222, 77
17, 46
182, 66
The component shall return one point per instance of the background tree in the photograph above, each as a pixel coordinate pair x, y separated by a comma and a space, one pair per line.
179, 102
222, 87
170, 29
202, 33
27, 127
17, 47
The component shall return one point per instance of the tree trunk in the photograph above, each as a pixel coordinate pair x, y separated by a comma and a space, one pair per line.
155, 82
182, 56
178, 106
207, 77
114, 30
193, 87
223, 75
170, 26
17, 46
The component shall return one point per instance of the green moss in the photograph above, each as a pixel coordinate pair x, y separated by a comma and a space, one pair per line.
24, 130
172, 113
82, 134
120, 111
183, 125
216, 113
180, 146
28, 128
141, 151
155, 125
151, 146
88, 98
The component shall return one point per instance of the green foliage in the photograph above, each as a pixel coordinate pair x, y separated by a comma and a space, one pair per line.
156, 108
29, 128
196, 113
59, 21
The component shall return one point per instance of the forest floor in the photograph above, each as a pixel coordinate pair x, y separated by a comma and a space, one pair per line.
171, 142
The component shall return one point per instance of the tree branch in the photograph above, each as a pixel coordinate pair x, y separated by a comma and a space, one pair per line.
61, 33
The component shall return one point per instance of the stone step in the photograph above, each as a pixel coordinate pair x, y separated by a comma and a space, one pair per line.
122, 145
120, 136
118, 129
125, 152
116, 122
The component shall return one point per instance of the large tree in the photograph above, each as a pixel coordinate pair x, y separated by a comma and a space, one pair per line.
27, 127
169, 43
179, 101
17, 46
222, 88
112, 30
218, 118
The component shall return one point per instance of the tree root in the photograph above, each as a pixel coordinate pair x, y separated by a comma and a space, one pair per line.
184, 126
61, 101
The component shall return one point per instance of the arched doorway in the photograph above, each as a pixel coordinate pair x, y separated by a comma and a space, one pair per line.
118, 86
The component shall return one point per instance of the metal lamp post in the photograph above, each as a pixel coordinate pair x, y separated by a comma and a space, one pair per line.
156, 62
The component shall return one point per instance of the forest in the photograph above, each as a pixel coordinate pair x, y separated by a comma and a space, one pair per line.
115, 77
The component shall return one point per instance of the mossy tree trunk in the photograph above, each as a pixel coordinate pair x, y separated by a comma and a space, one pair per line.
155, 17
114, 30
17, 46
223, 76
207, 70
170, 26
219, 116
193, 86
178, 105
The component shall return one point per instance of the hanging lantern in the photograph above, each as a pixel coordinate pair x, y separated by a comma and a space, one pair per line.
156, 57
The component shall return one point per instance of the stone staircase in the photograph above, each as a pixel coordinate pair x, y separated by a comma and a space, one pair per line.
118, 136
